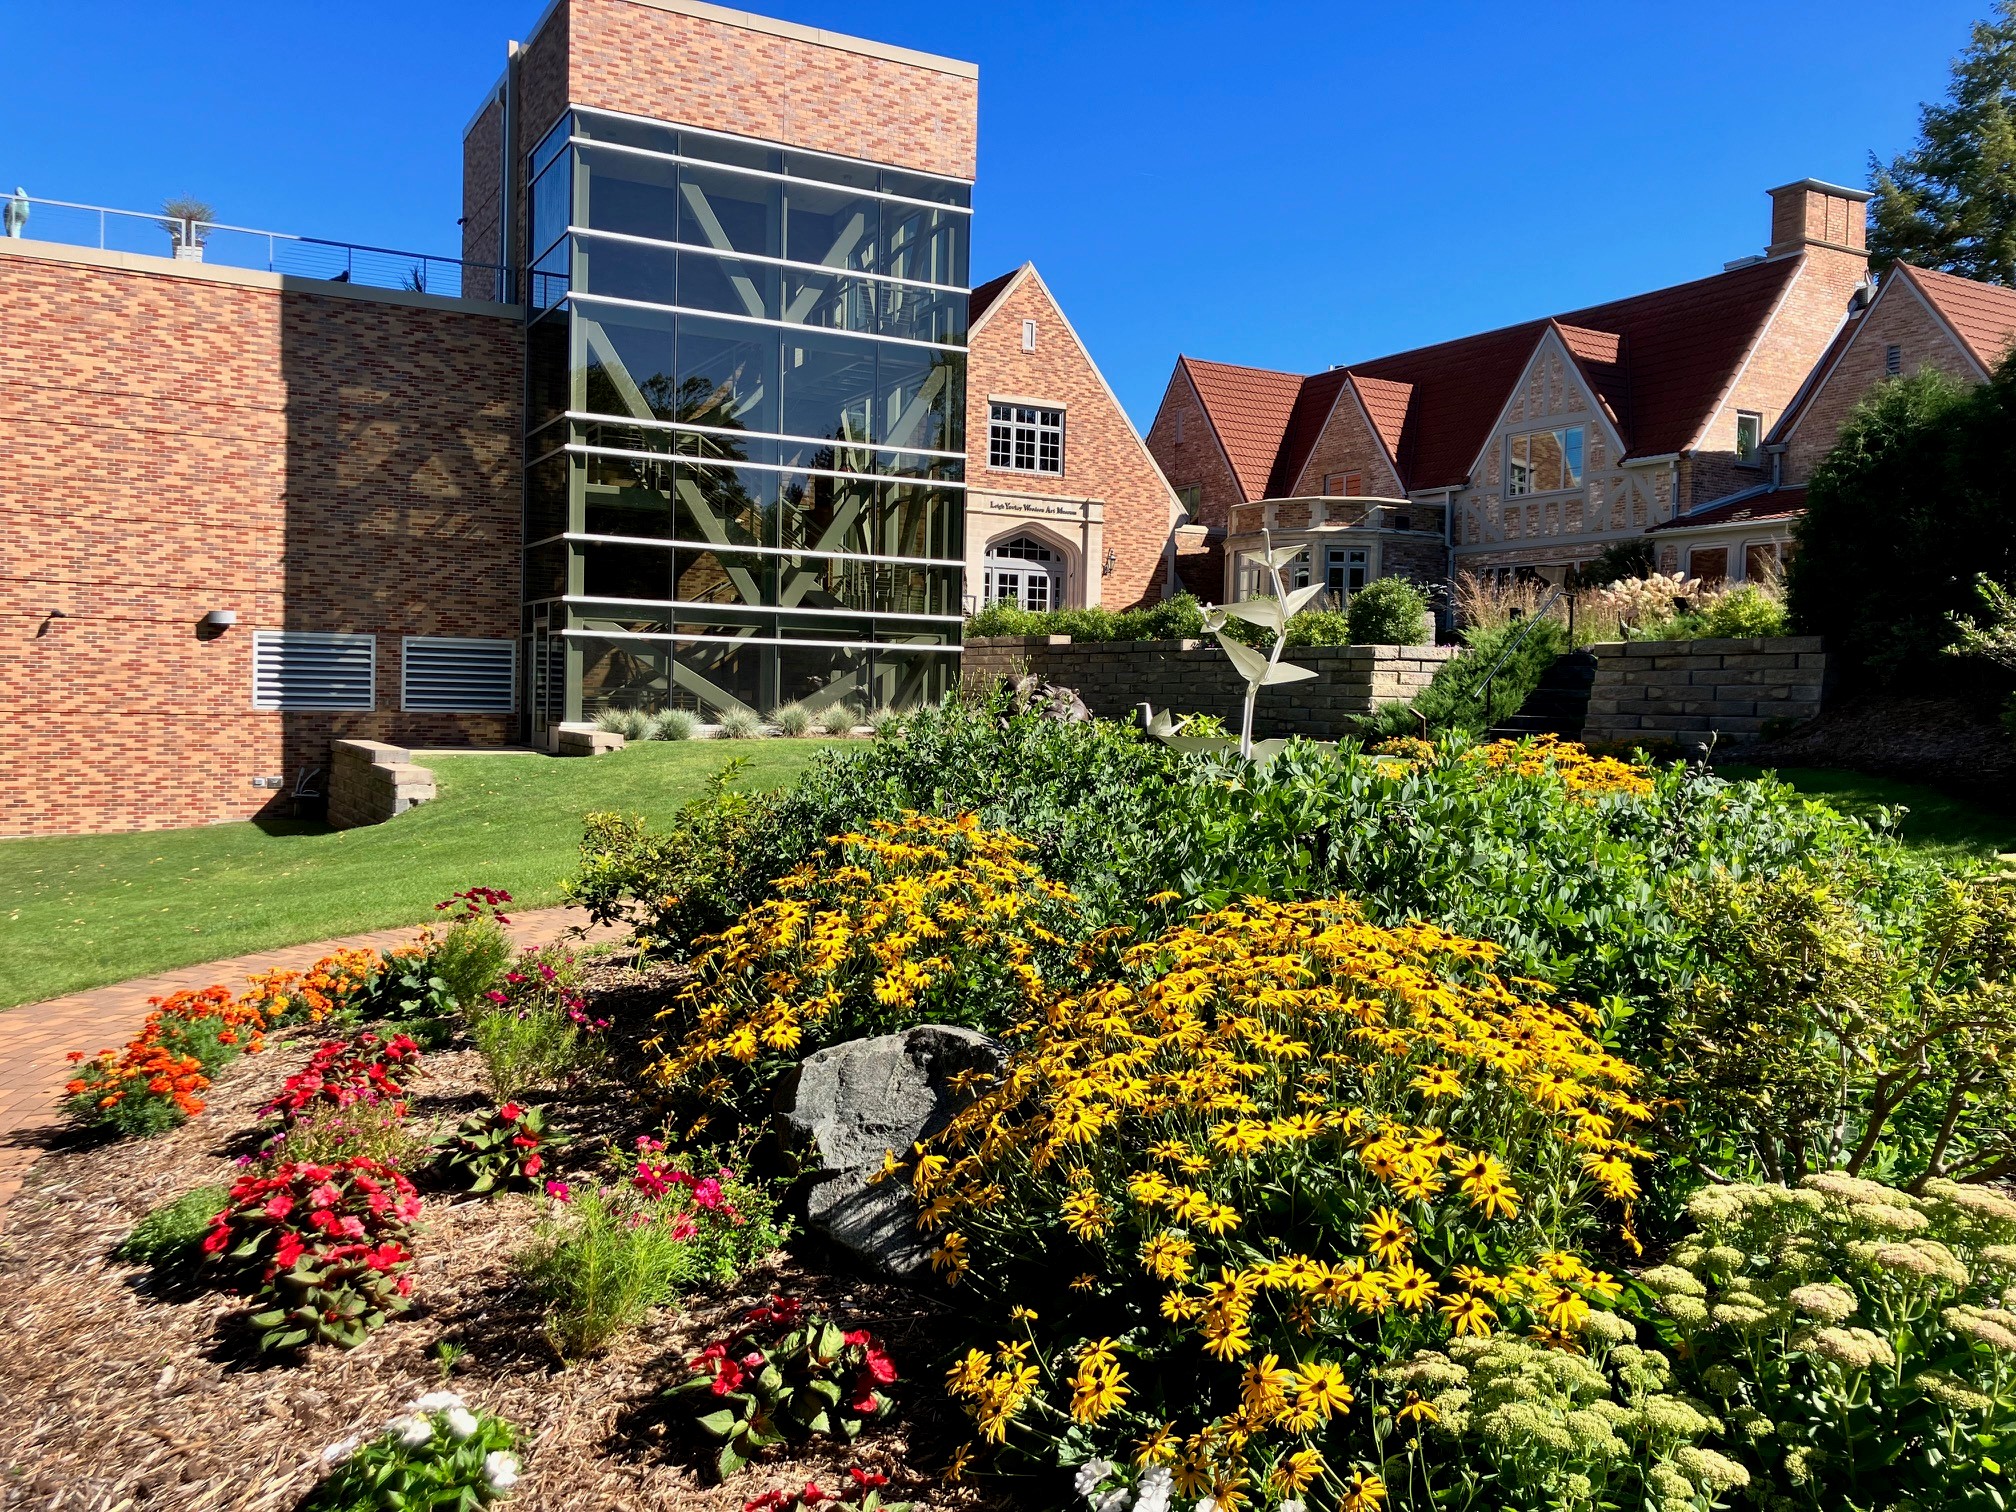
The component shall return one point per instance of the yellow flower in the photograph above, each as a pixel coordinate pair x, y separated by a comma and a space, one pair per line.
1157, 1448
1418, 1411
1298, 1471
1086, 1214
1412, 1287
1320, 1385
1469, 1314
964, 1378
961, 1458
1364, 1493
1438, 1081
1097, 1388
1264, 1385
1084, 1281
1388, 1234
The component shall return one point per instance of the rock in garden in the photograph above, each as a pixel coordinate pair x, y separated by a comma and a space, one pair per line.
857, 1100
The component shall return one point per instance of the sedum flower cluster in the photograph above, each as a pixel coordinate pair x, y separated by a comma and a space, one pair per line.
1278, 1146
1848, 1330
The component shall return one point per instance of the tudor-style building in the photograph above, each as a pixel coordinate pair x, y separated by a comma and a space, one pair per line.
1065, 508
1531, 448
1916, 319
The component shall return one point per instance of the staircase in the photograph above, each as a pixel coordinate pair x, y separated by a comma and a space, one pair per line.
1559, 706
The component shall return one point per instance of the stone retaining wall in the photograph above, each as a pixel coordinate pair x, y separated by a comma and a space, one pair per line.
370, 782
1690, 691
1196, 677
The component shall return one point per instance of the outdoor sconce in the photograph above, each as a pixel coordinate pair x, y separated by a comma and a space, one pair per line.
220, 619
1111, 557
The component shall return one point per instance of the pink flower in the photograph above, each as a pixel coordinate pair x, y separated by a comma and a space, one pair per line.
278, 1206
534, 1164
559, 1191
683, 1227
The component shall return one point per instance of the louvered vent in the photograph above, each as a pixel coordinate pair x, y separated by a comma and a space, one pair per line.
456, 675
313, 669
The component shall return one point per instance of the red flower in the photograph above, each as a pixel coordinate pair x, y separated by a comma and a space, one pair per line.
510, 1112
880, 1367
534, 1164
867, 1480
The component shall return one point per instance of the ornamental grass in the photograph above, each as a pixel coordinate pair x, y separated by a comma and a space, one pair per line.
1212, 1195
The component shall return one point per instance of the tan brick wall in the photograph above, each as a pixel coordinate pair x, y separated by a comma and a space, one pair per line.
1196, 461
1899, 318
1692, 691
1805, 324
1103, 457
633, 57
311, 461
1347, 444
482, 162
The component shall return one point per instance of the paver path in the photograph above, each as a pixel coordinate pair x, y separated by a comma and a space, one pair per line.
36, 1038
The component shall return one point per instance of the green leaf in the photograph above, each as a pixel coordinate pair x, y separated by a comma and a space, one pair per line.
720, 1423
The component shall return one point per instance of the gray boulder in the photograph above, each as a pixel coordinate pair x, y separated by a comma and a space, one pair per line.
858, 1100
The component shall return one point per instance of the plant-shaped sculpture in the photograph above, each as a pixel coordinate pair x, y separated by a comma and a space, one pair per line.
1259, 671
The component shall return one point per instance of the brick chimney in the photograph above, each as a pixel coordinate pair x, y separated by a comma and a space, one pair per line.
1812, 213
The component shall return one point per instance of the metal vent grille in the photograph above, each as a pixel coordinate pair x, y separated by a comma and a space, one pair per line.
441, 674
313, 669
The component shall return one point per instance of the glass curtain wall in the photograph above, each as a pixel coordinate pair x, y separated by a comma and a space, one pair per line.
745, 414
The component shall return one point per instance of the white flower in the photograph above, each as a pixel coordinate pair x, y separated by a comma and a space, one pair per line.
1207, 1504
1120, 1499
413, 1430
439, 1401
460, 1421
339, 1452
500, 1470
1089, 1475
1294, 1504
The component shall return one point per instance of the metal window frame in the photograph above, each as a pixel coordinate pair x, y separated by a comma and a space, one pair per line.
583, 448
406, 644
720, 608
575, 296
1756, 456
761, 257
327, 637
748, 435
953, 647
672, 543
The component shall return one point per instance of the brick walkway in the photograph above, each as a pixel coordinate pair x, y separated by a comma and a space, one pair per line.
36, 1038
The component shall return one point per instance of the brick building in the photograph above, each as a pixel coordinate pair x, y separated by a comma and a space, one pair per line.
1526, 449
1065, 507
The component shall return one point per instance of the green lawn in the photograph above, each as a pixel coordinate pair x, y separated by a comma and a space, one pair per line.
80, 911
1950, 827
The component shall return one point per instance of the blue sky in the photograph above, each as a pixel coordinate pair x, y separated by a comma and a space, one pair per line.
1282, 184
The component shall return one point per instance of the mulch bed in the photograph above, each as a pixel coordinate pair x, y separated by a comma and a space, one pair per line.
121, 1393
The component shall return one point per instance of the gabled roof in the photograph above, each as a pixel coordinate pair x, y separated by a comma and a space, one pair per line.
1249, 409
1761, 503
981, 300
1982, 315
1658, 362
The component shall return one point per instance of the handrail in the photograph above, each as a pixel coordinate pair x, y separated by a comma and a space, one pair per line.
111, 229
1484, 687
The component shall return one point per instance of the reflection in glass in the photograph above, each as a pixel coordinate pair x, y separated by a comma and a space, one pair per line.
546, 512
927, 245
827, 514
545, 370
732, 285
626, 572
820, 676
832, 300
547, 205
727, 375
723, 578
832, 228
829, 386
627, 496
727, 505
920, 398
729, 212
621, 191
625, 358
546, 570
623, 674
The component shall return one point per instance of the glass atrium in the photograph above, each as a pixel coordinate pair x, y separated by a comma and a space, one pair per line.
745, 415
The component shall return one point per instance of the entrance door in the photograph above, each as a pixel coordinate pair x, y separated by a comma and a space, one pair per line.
1023, 572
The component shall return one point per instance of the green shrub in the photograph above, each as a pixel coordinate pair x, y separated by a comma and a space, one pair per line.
324, 1133
669, 887
170, 1238
880, 719
1456, 699
837, 719
739, 724
468, 958
1746, 610
1388, 612
676, 724
792, 719
1177, 618
631, 724
534, 1030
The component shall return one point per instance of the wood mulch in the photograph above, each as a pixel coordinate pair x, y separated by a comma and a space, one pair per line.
122, 1393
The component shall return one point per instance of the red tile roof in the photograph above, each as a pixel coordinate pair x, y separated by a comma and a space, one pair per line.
1249, 408
1982, 314
982, 298
1659, 362
1767, 504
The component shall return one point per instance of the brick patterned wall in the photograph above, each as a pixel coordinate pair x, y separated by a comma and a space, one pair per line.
1805, 325
1347, 445
1103, 457
1900, 318
1196, 461
482, 161
1196, 677
317, 461
629, 56
1689, 691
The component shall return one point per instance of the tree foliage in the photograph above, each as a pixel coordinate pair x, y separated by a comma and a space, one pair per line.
1950, 201
1903, 516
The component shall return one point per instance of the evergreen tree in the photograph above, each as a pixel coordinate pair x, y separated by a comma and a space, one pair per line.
1950, 202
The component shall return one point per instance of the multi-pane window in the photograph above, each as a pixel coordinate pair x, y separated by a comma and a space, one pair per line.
1346, 484
301, 670
1023, 438
1023, 572
1345, 569
1545, 461
1191, 497
1749, 437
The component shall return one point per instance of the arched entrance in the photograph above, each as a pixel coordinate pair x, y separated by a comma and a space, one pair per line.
1022, 570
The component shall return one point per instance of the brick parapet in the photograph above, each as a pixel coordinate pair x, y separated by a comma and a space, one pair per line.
1724, 692
1196, 677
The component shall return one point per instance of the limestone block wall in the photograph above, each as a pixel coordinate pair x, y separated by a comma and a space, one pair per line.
1686, 691
370, 782
1196, 677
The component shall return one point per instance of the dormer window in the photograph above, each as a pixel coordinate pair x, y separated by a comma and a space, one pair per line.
1546, 461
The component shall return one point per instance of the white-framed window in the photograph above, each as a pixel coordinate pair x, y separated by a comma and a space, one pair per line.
1023, 438
1028, 335
1893, 361
1749, 437
1024, 572
454, 674
314, 670
1349, 485
1544, 461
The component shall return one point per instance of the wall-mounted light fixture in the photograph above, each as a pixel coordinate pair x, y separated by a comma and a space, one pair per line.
220, 619
1111, 557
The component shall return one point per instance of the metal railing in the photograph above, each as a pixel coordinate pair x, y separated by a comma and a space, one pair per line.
220, 245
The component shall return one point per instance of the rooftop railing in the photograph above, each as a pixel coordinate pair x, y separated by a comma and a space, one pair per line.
219, 245
1331, 512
